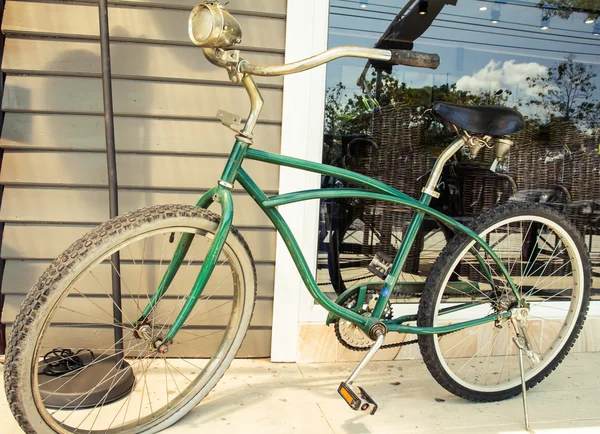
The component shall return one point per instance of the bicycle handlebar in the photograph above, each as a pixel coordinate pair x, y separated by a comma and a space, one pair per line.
240, 69
395, 57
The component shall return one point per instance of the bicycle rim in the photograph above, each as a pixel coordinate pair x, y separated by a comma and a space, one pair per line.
163, 383
546, 264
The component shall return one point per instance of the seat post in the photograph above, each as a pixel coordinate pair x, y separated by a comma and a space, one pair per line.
436, 172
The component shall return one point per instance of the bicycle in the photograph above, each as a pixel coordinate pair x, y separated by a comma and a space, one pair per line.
485, 284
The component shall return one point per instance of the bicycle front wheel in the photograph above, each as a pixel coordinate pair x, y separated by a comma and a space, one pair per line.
547, 260
66, 371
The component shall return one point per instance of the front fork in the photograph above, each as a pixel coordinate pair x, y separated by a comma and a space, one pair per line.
221, 195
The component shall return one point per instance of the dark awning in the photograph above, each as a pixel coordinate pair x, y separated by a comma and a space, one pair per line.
403, 31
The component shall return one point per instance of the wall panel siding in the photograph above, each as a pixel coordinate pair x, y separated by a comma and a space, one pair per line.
256, 344
129, 60
171, 146
48, 205
34, 242
78, 312
133, 98
130, 24
20, 276
133, 134
135, 170
275, 8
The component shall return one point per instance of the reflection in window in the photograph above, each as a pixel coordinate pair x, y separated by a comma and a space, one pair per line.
539, 57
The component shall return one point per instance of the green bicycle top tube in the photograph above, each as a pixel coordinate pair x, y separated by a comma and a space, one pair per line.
324, 169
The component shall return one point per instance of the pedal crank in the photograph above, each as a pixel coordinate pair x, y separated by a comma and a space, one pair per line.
356, 397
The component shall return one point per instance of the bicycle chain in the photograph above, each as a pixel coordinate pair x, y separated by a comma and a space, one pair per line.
341, 340
354, 348
355, 279
383, 347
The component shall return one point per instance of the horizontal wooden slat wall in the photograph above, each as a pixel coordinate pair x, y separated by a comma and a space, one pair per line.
170, 145
63, 57
135, 170
27, 131
142, 24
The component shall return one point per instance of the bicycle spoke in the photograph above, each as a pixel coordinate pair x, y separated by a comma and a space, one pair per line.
161, 383
539, 259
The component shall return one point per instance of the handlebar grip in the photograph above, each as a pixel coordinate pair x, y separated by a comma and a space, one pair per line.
414, 58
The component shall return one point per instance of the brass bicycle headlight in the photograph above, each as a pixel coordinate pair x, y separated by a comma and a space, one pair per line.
210, 25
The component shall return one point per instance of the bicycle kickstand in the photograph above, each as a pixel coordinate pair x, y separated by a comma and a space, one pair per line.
355, 396
520, 343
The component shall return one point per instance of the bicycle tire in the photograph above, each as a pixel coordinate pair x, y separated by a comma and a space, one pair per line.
461, 361
333, 263
78, 262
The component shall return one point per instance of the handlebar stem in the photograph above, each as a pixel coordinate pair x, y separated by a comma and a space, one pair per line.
256, 99
256, 104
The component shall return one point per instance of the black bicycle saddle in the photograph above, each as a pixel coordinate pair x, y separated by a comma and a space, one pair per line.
491, 120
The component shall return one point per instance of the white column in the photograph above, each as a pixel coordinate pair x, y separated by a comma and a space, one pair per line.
302, 137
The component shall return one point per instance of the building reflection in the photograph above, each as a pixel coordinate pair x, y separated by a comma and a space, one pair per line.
383, 128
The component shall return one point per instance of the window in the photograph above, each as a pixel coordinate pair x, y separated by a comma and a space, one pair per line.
539, 57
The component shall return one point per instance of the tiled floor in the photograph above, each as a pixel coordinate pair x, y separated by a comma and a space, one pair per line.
258, 396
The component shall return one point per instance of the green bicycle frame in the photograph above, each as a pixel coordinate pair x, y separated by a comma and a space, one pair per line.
373, 189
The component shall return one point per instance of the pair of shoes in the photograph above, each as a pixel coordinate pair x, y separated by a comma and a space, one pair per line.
61, 361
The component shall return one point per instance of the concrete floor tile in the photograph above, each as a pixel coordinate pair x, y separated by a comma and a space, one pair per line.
9, 425
259, 396
272, 417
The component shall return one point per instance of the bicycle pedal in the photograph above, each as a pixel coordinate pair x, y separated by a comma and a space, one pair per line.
357, 398
380, 265
231, 121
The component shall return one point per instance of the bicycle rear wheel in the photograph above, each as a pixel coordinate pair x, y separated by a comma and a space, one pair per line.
52, 386
547, 260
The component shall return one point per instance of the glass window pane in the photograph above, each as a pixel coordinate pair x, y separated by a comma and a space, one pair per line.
539, 57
